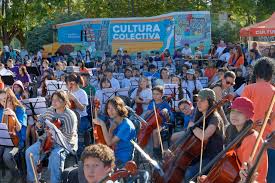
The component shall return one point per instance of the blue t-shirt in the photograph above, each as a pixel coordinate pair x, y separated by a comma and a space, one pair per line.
188, 118
124, 149
160, 106
22, 118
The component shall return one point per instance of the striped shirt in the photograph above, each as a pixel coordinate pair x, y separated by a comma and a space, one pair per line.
69, 124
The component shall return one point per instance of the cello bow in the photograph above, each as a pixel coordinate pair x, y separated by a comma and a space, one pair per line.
268, 142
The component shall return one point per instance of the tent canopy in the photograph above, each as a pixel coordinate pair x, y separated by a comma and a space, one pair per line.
264, 28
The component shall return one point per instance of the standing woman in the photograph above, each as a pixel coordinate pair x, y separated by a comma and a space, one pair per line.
79, 98
120, 133
10, 106
213, 132
142, 95
88, 59
24, 76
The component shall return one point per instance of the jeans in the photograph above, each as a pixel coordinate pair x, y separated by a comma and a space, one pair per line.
83, 128
271, 166
56, 161
193, 169
8, 154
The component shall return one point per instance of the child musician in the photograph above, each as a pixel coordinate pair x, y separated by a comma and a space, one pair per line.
98, 160
241, 111
165, 112
121, 131
10, 106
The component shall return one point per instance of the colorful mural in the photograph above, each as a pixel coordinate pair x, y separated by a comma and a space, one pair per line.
169, 31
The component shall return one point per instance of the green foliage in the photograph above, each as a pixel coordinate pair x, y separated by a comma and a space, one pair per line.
227, 32
22, 18
41, 35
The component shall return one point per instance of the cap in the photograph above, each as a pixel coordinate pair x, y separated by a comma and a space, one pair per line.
243, 105
207, 93
190, 71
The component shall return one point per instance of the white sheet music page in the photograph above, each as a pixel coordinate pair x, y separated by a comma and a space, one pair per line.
5, 139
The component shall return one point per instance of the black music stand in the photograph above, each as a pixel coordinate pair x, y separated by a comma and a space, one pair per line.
134, 82
109, 93
34, 71
8, 80
172, 90
35, 106
53, 85
5, 138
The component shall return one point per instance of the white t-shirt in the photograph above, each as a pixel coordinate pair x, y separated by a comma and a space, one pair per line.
82, 97
115, 83
145, 94
186, 51
190, 86
219, 51
126, 83
225, 57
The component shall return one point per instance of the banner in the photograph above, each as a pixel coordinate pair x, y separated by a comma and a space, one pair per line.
142, 34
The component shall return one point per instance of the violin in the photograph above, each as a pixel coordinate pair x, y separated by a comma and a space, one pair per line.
147, 129
139, 109
130, 169
48, 142
11, 124
10, 121
97, 130
184, 151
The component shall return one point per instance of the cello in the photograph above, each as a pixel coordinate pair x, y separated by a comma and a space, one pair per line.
97, 130
147, 128
226, 164
130, 169
184, 151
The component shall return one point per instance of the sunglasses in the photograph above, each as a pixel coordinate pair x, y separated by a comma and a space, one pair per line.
229, 83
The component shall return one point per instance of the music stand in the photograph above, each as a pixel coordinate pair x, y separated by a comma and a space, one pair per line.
33, 71
53, 85
71, 69
35, 106
58, 137
172, 90
204, 81
109, 93
134, 82
5, 138
8, 80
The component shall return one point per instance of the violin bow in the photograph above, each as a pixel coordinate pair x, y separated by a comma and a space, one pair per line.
160, 140
203, 130
262, 129
33, 168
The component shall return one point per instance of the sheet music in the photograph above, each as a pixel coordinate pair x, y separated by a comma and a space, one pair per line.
119, 76
134, 82
109, 93
71, 69
204, 81
53, 85
58, 137
171, 89
5, 139
38, 104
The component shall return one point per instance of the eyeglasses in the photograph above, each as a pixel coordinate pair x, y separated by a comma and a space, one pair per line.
229, 83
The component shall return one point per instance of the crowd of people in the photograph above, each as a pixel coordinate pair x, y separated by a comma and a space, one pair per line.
101, 132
